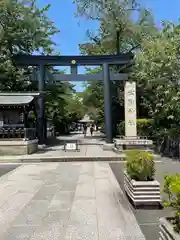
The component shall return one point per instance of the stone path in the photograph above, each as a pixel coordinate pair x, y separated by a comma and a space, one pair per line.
65, 201
86, 153
90, 148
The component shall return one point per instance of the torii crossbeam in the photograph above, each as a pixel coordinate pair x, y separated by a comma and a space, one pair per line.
74, 61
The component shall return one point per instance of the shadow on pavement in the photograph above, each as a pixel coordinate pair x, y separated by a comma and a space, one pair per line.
54, 141
4, 169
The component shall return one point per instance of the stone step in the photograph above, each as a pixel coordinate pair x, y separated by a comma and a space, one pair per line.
75, 159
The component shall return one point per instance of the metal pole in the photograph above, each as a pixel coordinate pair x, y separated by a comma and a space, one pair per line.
41, 116
107, 103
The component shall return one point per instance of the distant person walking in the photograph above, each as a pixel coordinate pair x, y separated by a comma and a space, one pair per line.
91, 129
85, 129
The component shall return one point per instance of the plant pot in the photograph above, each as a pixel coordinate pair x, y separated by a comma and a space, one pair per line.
142, 193
167, 231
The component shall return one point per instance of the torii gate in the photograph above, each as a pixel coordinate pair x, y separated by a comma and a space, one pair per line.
74, 61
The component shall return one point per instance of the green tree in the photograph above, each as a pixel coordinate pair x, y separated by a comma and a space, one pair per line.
24, 29
118, 32
93, 98
157, 73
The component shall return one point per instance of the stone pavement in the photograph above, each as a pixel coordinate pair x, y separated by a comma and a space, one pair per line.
65, 201
86, 153
90, 148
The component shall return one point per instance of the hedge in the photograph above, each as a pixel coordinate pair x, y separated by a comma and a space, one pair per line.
144, 127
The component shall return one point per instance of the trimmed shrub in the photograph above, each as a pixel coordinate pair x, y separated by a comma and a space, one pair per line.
144, 127
140, 165
172, 189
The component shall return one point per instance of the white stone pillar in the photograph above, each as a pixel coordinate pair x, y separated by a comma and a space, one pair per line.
130, 109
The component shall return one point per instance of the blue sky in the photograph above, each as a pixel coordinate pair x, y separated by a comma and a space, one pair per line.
73, 30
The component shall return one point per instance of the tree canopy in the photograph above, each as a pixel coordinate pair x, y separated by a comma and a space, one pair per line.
119, 31
157, 73
126, 26
26, 29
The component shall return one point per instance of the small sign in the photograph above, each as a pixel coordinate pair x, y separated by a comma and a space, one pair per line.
1, 123
71, 146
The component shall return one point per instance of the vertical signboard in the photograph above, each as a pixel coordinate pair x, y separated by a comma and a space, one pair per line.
130, 109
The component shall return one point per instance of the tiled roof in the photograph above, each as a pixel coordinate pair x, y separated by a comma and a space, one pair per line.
12, 99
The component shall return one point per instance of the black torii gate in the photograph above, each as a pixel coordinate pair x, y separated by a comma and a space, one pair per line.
74, 61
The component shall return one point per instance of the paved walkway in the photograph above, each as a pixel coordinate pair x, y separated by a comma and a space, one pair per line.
87, 152
90, 148
65, 201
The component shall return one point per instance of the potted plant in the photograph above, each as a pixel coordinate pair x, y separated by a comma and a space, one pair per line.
170, 226
139, 182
